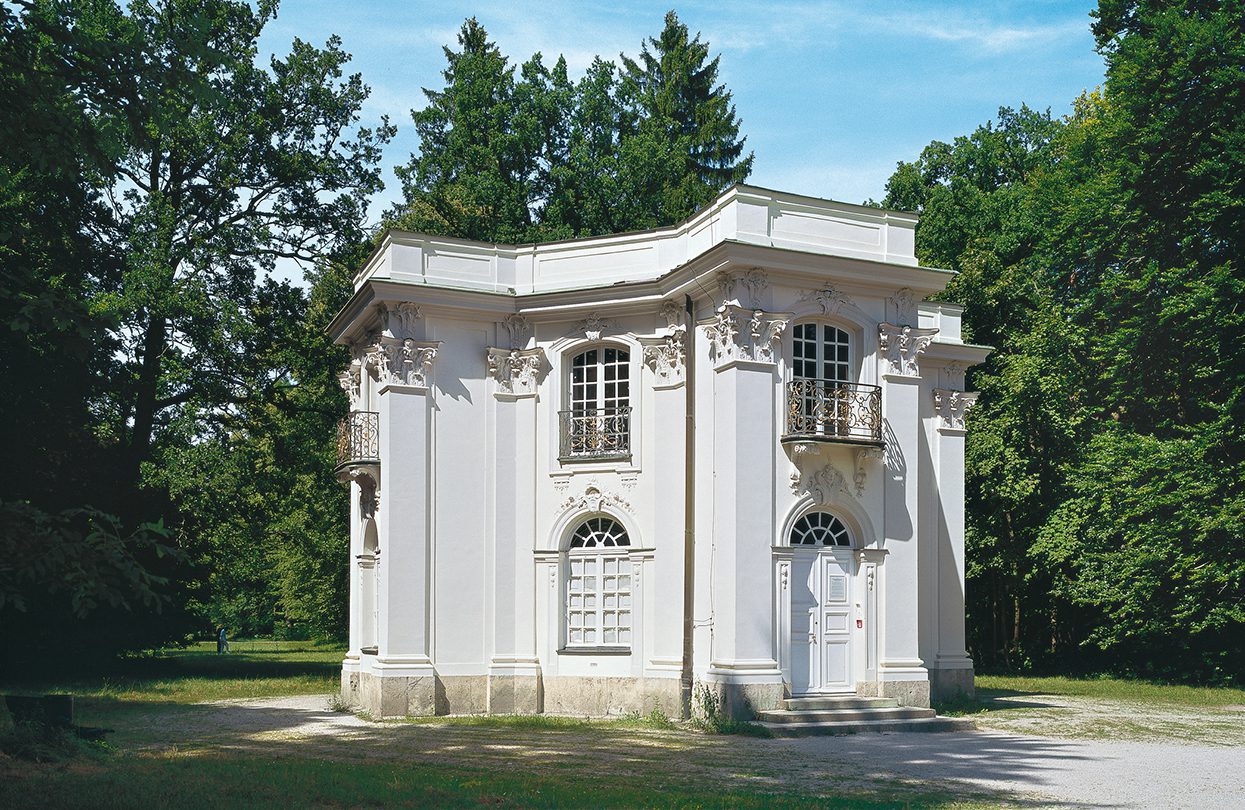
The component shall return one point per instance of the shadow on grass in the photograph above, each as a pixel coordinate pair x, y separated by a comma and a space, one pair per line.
989, 700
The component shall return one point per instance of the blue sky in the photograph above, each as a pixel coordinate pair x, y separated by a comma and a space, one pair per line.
831, 94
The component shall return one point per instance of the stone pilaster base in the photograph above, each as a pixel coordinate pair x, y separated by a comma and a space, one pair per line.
948, 684
397, 695
908, 693
515, 694
740, 701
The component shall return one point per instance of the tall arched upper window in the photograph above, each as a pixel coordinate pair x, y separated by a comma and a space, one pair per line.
821, 352
597, 423
598, 585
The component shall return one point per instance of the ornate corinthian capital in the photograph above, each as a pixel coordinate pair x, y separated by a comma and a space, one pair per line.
952, 406
737, 334
516, 371
901, 346
403, 362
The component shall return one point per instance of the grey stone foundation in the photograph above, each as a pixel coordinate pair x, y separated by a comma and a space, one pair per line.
740, 701
908, 693
602, 697
399, 696
948, 684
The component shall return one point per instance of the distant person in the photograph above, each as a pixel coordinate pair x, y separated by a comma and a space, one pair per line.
222, 641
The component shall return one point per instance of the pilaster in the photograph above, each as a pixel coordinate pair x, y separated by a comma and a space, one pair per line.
514, 670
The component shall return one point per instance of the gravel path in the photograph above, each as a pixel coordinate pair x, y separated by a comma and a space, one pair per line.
983, 765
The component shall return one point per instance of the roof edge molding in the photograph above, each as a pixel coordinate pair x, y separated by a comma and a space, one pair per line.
742, 214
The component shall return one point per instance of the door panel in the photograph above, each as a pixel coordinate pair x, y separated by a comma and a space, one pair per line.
821, 622
835, 633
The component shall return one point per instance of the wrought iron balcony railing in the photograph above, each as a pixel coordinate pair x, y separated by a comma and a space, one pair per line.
358, 439
595, 433
828, 410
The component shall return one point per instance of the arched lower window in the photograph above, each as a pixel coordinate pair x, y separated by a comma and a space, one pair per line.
597, 423
820, 529
598, 585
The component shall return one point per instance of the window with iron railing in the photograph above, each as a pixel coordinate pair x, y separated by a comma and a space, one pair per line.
598, 423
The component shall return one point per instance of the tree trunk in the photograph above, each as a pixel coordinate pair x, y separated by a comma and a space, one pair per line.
145, 398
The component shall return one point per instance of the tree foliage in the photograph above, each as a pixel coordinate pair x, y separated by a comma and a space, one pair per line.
539, 157
1101, 253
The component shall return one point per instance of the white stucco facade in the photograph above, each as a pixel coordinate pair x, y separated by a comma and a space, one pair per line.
590, 475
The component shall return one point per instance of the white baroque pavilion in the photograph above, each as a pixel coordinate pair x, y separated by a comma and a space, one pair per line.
594, 476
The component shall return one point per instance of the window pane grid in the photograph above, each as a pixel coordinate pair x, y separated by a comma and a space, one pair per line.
598, 586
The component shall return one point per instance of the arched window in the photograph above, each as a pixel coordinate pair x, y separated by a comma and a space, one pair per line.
820, 529
821, 352
598, 585
597, 423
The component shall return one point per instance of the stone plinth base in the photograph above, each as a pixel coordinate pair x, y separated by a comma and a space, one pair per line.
515, 694
948, 684
603, 697
908, 693
390, 695
740, 701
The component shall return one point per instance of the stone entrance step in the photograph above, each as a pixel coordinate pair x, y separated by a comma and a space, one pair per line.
838, 702
853, 715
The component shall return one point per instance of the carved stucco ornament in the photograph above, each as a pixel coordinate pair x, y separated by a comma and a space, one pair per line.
592, 327
863, 456
518, 329
829, 299
351, 381
737, 334
594, 499
666, 356
825, 483
952, 407
755, 281
516, 371
403, 362
902, 307
900, 347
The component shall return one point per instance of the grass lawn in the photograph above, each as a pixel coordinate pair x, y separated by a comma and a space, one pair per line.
169, 750
173, 749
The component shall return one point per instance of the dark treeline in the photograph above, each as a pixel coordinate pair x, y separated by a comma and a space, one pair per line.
169, 409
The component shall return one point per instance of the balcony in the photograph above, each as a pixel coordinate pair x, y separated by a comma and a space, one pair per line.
831, 411
358, 441
598, 434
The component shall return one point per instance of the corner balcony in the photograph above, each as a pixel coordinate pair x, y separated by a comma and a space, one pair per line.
595, 434
358, 443
832, 411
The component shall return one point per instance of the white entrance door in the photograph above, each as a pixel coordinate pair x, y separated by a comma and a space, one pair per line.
821, 622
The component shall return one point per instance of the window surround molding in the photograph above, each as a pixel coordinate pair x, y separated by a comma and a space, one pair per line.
562, 353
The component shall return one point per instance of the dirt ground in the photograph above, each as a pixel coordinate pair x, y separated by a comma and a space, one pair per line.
1042, 751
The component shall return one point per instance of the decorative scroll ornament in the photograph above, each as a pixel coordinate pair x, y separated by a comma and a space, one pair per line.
952, 406
592, 326
726, 285
518, 328
401, 319
828, 298
863, 455
727, 341
756, 283
350, 380
666, 356
953, 376
672, 311
901, 346
516, 371
594, 500
824, 484
404, 362
902, 306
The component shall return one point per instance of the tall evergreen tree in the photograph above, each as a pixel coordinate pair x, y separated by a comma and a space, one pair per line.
474, 176
687, 138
